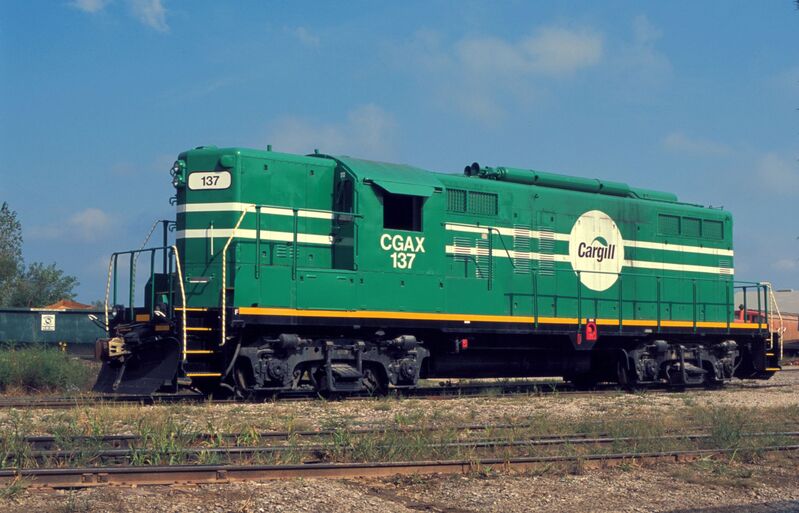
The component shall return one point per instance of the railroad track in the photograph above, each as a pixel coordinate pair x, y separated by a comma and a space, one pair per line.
444, 391
315, 452
85, 477
124, 441
118, 441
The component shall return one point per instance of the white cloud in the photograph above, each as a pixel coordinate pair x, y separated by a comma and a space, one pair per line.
151, 13
550, 51
557, 50
90, 6
777, 175
680, 143
786, 264
639, 60
644, 32
367, 132
89, 224
484, 77
305, 36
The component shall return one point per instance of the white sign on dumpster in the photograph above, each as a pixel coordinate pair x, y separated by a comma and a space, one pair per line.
48, 322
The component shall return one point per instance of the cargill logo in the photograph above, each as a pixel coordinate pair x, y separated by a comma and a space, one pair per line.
598, 250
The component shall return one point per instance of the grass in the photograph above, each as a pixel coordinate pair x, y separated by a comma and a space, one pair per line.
716, 472
40, 368
165, 437
167, 431
13, 490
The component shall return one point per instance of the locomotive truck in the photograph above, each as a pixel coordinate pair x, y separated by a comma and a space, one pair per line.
349, 276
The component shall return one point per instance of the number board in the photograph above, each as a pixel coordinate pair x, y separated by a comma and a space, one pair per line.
209, 180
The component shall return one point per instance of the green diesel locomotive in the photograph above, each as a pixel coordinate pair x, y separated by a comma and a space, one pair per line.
350, 275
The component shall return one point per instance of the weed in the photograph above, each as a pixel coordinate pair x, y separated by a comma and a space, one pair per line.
39, 368
727, 427
75, 504
408, 417
578, 467
625, 466
382, 405
716, 472
13, 490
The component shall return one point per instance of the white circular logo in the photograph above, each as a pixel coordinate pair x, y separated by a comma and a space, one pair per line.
596, 250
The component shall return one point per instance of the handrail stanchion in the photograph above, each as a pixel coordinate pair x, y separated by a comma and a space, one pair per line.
116, 260
490, 258
152, 281
182, 301
727, 304
257, 242
165, 238
658, 301
693, 283
171, 281
621, 303
765, 315
745, 306
535, 297
759, 309
294, 245
111, 269
130, 285
579, 303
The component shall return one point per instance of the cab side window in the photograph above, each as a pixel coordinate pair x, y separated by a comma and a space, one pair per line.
402, 212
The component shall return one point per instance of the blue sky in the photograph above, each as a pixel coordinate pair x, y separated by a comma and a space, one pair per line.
97, 97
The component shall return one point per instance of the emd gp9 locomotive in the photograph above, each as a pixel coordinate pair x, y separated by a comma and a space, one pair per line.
349, 275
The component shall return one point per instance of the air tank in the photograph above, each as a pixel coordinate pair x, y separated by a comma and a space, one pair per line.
571, 183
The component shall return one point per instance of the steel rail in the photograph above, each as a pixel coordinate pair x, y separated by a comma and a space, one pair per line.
125, 441
86, 477
237, 453
117, 441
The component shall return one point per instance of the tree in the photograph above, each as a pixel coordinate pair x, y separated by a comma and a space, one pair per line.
34, 285
41, 285
11, 263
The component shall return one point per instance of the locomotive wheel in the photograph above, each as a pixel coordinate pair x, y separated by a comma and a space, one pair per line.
374, 382
243, 381
318, 378
623, 376
710, 382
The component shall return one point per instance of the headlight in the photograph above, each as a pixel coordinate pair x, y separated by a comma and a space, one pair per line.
178, 172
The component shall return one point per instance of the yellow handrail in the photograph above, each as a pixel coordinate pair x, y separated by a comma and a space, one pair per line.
773, 299
182, 299
108, 291
223, 287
